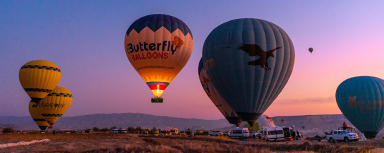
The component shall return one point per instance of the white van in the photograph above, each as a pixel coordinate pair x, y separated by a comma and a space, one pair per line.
277, 133
174, 131
114, 130
239, 133
122, 131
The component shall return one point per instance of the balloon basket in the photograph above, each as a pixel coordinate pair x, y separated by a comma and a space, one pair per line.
157, 100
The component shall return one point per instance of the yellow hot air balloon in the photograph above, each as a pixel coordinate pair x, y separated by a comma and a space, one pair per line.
38, 78
55, 104
35, 112
158, 46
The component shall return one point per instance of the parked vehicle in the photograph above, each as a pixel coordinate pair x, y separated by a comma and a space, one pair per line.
182, 133
318, 138
239, 133
188, 132
274, 133
165, 132
174, 131
253, 134
122, 131
278, 133
216, 133
114, 130
226, 133
341, 135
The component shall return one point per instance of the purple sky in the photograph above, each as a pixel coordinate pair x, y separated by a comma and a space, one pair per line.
86, 40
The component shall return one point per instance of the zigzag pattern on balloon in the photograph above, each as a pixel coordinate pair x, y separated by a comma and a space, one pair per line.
37, 89
39, 120
40, 67
51, 115
60, 94
156, 21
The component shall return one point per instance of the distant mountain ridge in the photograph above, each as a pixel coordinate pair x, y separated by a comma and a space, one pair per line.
314, 124
123, 120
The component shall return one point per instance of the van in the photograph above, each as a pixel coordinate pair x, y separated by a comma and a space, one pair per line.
277, 133
174, 131
122, 131
165, 132
239, 133
114, 130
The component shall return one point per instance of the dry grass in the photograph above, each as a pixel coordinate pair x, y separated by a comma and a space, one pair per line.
135, 143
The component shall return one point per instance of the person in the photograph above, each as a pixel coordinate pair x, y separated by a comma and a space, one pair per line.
298, 134
54, 132
344, 126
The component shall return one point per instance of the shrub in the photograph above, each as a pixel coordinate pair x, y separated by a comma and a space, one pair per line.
87, 130
113, 127
8, 130
96, 129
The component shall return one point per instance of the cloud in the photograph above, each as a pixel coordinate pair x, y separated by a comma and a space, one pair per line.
307, 100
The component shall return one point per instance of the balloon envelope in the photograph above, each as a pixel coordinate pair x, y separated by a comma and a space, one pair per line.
361, 100
55, 104
38, 78
249, 61
282, 121
158, 46
310, 49
35, 112
262, 121
216, 98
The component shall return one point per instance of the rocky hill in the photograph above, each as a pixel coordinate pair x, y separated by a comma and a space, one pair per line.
314, 124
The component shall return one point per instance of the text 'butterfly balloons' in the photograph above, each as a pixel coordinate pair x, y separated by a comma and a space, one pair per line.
158, 46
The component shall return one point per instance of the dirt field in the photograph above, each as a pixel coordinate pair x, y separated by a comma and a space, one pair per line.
143, 143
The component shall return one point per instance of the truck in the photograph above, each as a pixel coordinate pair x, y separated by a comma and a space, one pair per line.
341, 135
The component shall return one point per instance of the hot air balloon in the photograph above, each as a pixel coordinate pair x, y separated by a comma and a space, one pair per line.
158, 46
310, 49
303, 127
361, 100
35, 112
55, 104
216, 98
282, 121
262, 121
38, 78
249, 61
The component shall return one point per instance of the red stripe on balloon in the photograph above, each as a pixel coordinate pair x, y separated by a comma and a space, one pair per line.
154, 87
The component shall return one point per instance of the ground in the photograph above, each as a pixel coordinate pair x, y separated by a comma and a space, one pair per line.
104, 142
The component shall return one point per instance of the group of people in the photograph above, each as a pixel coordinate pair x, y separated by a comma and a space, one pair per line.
295, 134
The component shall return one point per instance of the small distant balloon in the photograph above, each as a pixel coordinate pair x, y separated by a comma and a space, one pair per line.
303, 127
282, 121
310, 49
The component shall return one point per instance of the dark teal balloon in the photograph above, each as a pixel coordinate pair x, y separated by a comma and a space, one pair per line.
249, 61
216, 99
361, 100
